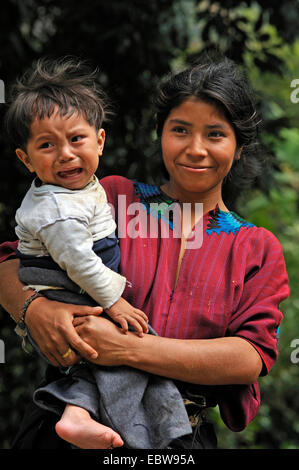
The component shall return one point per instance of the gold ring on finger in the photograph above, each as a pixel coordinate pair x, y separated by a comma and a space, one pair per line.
65, 355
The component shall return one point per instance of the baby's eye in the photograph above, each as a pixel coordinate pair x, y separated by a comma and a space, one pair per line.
45, 145
77, 138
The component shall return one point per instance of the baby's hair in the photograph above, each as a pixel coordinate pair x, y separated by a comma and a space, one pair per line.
217, 80
68, 83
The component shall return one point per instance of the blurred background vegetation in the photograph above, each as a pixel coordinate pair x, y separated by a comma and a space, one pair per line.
135, 43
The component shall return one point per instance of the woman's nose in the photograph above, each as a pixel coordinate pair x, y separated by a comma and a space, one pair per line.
197, 147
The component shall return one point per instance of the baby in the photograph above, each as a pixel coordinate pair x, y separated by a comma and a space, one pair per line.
64, 223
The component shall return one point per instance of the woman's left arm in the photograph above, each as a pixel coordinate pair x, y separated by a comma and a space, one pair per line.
220, 361
248, 350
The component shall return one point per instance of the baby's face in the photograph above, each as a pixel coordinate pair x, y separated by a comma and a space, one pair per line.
63, 150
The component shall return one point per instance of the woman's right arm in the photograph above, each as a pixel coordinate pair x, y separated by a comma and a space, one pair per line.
12, 295
50, 323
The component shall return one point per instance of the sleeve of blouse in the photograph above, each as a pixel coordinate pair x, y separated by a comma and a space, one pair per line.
8, 250
118, 187
113, 185
258, 316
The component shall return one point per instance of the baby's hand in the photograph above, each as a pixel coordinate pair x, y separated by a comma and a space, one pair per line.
125, 314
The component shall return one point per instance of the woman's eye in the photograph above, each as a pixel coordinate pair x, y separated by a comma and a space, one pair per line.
216, 134
179, 130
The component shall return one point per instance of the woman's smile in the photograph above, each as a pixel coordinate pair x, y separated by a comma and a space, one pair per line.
194, 168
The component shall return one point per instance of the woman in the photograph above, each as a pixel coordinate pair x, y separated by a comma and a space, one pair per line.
212, 294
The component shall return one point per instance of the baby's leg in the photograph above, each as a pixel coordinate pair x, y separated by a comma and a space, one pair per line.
77, 427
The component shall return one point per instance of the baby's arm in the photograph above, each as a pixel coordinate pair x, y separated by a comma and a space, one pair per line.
125, 314
70, 243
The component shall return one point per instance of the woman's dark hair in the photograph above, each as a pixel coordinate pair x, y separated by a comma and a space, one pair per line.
218, 80
68, 82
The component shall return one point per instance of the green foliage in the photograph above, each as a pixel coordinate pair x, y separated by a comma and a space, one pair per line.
135, 43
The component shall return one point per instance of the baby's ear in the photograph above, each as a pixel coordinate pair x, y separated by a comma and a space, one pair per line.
101, 140
25, 159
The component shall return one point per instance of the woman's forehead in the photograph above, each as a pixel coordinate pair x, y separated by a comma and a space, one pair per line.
194, 107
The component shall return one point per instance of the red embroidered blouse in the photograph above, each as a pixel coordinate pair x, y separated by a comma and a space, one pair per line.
231, 286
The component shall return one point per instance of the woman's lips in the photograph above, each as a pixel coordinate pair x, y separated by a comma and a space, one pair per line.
195, 169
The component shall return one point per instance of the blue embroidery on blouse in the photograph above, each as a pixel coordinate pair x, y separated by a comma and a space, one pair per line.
220, 221
155, 201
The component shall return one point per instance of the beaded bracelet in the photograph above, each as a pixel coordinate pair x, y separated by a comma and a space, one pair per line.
21, 322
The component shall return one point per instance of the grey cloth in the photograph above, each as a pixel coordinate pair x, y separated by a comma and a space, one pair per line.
146, 410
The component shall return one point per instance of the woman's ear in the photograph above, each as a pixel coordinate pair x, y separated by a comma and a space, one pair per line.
101, 141
238, 153
22, 155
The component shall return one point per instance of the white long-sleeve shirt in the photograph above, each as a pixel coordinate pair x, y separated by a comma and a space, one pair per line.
64, 224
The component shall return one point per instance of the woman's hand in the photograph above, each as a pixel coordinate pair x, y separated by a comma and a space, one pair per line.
51, 325
106, 338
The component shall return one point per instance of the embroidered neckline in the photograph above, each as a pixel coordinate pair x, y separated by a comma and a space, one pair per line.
151, 195
228, 222
217, 220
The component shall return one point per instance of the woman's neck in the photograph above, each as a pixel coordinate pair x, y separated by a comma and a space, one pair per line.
209, 200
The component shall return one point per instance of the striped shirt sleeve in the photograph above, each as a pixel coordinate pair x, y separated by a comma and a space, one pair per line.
258, 315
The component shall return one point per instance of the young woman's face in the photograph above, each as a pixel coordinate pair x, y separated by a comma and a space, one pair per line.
63, 150
198, 147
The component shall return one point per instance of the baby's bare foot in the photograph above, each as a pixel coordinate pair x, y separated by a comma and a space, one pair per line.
77, 427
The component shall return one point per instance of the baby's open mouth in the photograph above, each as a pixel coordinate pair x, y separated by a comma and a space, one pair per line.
71, 172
